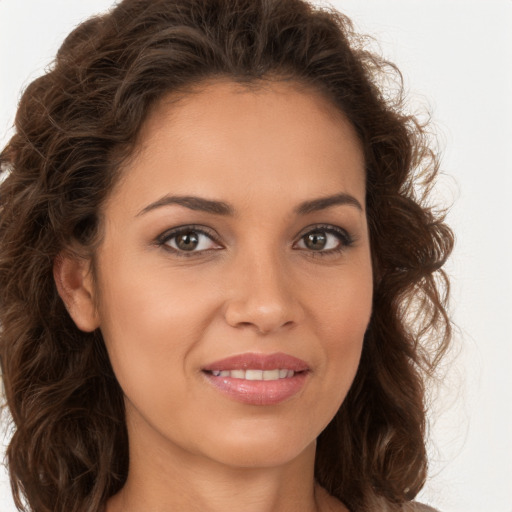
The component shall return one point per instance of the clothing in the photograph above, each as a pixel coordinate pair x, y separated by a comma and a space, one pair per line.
411, 506
419, 507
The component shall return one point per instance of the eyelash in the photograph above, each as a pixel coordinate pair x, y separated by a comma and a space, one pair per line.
344, 238
164, 238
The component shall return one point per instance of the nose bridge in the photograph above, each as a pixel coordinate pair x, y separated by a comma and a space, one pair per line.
261, 291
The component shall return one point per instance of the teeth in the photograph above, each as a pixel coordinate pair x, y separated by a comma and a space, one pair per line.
255, 374
271, 375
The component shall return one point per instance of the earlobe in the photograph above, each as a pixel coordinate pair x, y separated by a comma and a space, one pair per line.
74, 282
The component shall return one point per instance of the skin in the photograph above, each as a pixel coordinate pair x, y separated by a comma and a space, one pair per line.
254, 287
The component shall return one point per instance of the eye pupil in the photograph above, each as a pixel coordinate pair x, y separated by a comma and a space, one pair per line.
187, 241
316, 240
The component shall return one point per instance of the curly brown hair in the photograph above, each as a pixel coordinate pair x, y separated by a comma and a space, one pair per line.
77, 122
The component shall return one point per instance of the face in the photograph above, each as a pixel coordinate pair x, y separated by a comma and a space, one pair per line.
234, 280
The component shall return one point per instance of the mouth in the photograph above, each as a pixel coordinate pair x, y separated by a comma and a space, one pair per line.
258, 379
255, 374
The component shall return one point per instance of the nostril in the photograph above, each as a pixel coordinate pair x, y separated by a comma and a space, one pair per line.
263, 309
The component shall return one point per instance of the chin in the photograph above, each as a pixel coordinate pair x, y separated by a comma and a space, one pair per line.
263, 449
250, 458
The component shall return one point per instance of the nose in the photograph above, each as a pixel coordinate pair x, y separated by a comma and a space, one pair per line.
262, 295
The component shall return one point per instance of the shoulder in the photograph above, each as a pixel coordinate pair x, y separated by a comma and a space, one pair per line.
414, 506
410, 506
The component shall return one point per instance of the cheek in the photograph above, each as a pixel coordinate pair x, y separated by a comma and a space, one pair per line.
149, 337
341, 322
341, 302
150, 325
343, 341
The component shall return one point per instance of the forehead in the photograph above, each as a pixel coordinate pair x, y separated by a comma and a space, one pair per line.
276, 104
230, 139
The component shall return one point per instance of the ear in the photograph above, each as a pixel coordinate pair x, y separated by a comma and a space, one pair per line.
73, 278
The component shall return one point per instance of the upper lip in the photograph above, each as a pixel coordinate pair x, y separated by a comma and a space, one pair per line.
257, 361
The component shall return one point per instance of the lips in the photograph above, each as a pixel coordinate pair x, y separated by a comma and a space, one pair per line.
258, 379
258, 362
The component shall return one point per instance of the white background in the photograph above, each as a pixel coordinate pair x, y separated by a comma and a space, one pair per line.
456, 58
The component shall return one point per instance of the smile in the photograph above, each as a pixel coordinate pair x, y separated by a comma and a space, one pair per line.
258, 379
255, 374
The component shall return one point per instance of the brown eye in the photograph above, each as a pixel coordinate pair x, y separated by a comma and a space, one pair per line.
316, 240
187, 241
325, 241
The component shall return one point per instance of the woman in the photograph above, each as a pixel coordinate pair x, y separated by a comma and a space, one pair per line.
220, 271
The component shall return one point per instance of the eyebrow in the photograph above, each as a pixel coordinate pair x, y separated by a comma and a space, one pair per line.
327, 202
192, 203
225, 209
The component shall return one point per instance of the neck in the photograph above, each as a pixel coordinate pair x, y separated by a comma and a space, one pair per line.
165, 478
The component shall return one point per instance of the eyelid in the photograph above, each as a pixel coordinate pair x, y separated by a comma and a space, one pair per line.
345, 238
167, 235
323, 226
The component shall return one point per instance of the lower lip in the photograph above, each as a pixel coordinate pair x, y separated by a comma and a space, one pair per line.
259, 392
